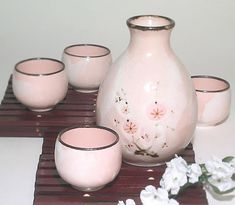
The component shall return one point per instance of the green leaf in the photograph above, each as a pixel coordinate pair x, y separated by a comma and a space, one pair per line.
228, 159
203, 178
203, 168
233, 177
216, 190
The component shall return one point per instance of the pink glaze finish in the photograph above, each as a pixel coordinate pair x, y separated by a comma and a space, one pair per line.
148, 96
86, 65
39, 83
214, 99
88, 158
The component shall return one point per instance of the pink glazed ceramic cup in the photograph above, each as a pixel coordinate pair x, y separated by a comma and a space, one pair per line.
88, 158
39, 83
86, 65
214, 99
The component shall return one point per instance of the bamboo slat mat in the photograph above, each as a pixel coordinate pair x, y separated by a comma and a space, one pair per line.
16, 120
50, 189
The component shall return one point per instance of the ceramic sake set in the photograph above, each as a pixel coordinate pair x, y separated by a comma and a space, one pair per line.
146, 97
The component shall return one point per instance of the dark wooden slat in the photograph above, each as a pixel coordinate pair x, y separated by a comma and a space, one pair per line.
77, 200
35, 120
70, 107
70, 95
78, 101
55, 113
57, 123
48, 170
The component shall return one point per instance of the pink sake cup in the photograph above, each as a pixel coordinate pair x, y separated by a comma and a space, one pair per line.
39, 83
214, 99
88, 158
86, 66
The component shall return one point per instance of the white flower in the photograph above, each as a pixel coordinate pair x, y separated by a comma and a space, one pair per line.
175, 175
128, 202
220, 174
194, 172
219, 169
153, 196
216, 174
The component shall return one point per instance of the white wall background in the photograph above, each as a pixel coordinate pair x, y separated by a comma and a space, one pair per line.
203, 37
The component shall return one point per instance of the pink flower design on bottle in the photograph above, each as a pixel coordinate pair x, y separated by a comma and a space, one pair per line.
125, 110
130, 127
157, 111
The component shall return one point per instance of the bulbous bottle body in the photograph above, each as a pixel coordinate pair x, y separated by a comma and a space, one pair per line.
147, 96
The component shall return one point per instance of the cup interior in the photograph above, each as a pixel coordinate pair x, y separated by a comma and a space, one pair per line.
209, 84
90, 138
87, 50
39, 66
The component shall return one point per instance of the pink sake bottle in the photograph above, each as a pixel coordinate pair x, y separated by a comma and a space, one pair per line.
147, 96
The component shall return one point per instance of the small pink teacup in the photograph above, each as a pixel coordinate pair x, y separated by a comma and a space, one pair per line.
214, 99
88, 158
40, 83
86, 66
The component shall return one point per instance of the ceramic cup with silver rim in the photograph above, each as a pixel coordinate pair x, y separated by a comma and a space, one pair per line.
214, 99
86, 66
88, 158
39, 83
